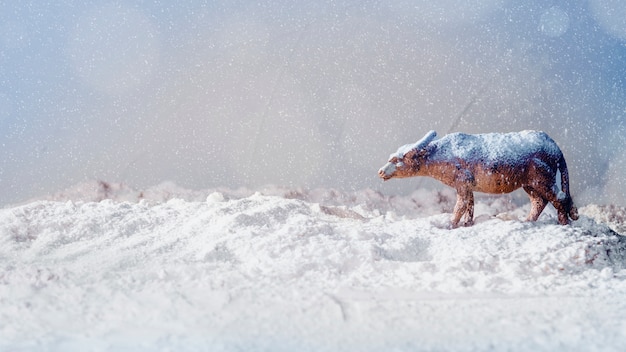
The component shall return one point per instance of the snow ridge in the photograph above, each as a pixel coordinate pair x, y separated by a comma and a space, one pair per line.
279, 272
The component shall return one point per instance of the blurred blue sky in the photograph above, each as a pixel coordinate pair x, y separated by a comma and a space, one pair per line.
300, 93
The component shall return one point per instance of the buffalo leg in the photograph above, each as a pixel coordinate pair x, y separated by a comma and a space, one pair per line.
551, 194
537, 204
464, 206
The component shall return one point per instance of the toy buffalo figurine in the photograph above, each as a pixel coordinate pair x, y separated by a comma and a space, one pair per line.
489, 163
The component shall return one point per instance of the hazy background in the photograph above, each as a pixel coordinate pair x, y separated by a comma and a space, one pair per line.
300, 93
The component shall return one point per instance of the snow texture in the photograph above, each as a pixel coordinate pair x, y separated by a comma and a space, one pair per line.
488, 149
417, 145
102, 267
491, 148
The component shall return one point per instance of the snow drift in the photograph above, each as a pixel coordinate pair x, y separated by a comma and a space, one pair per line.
104, 267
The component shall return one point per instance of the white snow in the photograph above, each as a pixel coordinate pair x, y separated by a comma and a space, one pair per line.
417, 145
307, 270
490, 148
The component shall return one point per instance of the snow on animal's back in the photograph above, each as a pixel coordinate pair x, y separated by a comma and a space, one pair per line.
496, 147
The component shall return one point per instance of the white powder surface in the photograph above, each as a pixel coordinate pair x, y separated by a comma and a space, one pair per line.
110, 268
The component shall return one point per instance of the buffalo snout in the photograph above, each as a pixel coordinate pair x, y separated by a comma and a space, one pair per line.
386, 172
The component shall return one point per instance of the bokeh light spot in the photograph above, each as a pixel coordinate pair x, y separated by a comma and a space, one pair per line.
554, 22
611, 16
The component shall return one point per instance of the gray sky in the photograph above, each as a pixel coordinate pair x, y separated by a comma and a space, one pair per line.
300, 93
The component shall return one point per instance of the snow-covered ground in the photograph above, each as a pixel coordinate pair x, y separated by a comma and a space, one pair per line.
102, 267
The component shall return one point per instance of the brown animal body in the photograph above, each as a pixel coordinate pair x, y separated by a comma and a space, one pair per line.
489, 163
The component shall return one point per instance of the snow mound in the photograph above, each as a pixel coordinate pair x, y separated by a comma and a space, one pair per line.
611, 215
283, 272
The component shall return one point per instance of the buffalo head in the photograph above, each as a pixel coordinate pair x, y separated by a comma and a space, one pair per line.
405, 162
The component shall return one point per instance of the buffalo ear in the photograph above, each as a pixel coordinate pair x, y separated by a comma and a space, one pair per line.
422, 143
